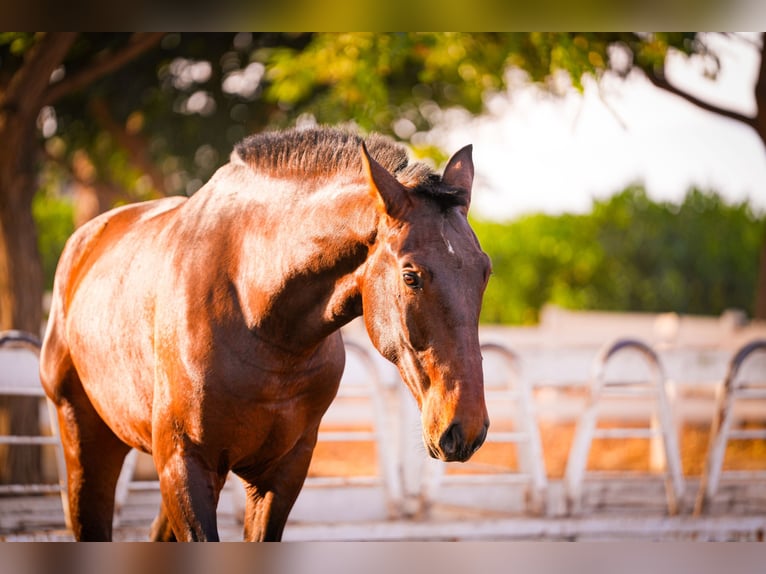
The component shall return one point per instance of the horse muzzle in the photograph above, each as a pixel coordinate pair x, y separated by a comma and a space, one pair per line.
454, 446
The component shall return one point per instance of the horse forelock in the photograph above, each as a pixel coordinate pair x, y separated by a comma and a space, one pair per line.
329, 152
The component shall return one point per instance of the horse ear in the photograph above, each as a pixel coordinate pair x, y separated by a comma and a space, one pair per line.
392, 196
458, 175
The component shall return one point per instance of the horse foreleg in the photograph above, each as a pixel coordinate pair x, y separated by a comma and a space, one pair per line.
161, 529
270, 497
189, 499
94, 457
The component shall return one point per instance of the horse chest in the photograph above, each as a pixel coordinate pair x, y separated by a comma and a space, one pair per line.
249, 409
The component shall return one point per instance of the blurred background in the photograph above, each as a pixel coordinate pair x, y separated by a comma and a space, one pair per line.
617, 172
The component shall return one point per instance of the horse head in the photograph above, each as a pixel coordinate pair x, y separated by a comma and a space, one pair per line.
422, 287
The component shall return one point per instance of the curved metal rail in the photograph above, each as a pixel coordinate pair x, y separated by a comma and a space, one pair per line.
586, 431
734, 389
508, 389
19, 377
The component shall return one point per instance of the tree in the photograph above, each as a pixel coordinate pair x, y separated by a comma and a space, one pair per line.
543, 56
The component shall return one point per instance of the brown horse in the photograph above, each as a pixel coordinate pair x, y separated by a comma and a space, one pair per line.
205, 330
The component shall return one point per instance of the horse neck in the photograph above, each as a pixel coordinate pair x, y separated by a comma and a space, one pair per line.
306, 262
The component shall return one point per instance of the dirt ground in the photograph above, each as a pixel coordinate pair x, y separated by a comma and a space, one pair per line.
360, 459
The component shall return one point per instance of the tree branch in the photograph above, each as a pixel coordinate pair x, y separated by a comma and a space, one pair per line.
740, 38
138, 44
135, 146
760, 84
658, 80
27, 86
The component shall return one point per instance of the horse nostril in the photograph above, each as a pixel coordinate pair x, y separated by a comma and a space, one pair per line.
480, 439
451, 441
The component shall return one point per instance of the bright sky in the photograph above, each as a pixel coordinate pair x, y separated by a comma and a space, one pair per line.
555, 155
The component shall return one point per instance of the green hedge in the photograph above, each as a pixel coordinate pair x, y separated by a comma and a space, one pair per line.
628, 254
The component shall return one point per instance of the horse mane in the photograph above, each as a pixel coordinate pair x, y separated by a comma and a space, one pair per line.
324, 152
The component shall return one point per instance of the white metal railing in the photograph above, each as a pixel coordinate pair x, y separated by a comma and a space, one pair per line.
661, 428
383, 421
736, 389
511, 405
19, 377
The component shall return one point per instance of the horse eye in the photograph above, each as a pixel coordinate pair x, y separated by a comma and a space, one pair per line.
411, 279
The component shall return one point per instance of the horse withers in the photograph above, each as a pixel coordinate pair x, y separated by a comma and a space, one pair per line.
205, 331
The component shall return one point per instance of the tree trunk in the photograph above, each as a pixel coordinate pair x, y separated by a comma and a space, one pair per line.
760, 297
760, 128
21, 276
20, 296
